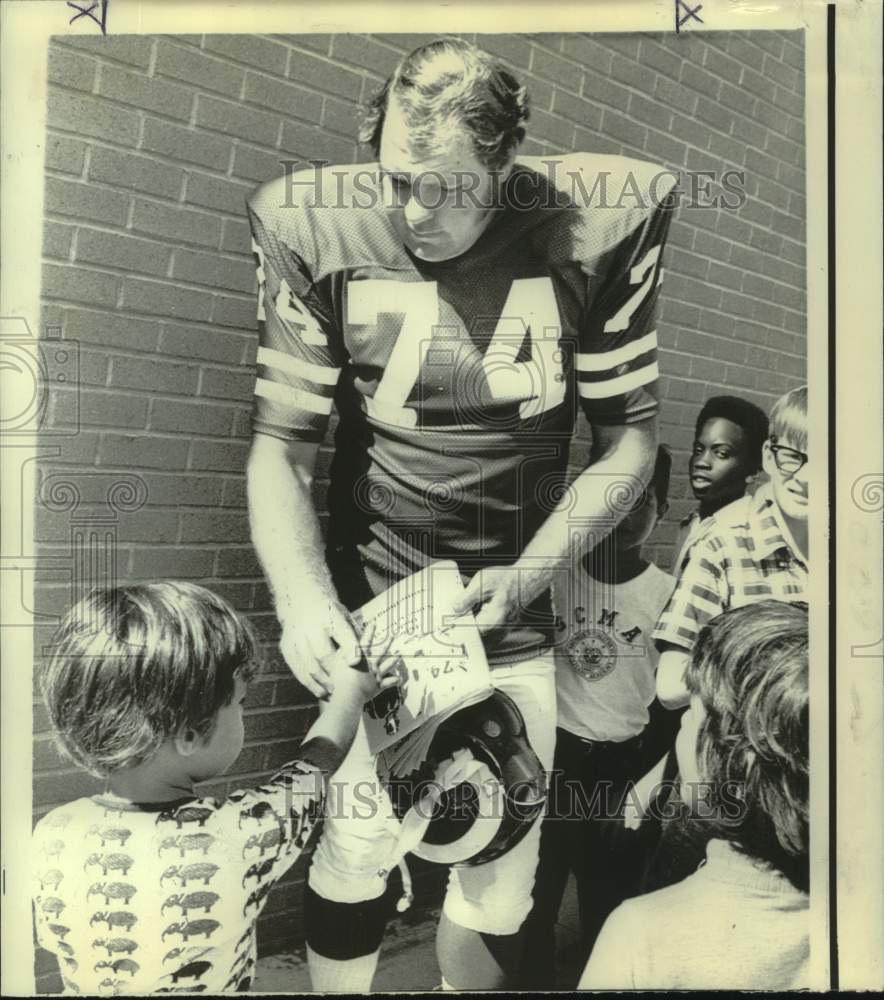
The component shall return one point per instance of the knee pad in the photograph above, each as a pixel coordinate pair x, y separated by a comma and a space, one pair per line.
343, 931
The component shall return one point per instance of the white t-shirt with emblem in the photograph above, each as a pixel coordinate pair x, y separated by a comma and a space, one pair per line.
605, 658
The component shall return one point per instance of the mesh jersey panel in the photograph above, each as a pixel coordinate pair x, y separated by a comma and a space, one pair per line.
457, 383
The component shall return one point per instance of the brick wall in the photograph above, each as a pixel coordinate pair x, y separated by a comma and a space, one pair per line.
152, 145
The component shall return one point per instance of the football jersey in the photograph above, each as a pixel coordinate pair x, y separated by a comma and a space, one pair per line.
456, 383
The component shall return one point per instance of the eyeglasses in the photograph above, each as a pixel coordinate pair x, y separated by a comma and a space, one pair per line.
788, 460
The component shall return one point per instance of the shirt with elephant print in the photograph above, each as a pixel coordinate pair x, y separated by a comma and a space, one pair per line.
164, 897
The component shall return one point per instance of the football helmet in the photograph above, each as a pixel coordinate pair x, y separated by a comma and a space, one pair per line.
483, 786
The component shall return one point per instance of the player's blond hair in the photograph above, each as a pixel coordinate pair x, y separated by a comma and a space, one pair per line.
449, 86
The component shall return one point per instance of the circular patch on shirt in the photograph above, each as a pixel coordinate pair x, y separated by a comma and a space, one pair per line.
593, 653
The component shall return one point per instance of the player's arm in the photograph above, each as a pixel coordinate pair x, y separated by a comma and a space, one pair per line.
298, 364
616, 371
286, 535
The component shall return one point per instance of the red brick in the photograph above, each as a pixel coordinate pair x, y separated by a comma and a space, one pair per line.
310, 143
288, 723
237, 237
319, 43
54, 789
237, 593
214, 270
324, 76
162, 299
204, 344
141, 451
793, 52
224, 384
86, 201
699, 80
80, 285
218, 456
740, 48
721, 65
151, 95
178, 224
112, 330
215, 192
91, 116
179, 143
587, 52
236, 120
173, 562
212, 527
238, 561
256, 164
183, 491
650, 112
560, 71
791, 177
65, 154
516, 51
57, 240
70, 69
261, 52
141, 173
192, 418
286, 98
134, 50
660, 59
125, 252
341, 117
664, 148
787, 225
235, 492
103, 409
749, 132
359, 50
239, 313
184, 63
161, 375
601, 90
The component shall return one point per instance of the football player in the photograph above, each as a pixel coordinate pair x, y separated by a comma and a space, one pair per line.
456, 303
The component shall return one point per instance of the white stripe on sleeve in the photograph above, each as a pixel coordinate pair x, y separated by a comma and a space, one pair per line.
294, 399
620, 355
617, 386
295, 366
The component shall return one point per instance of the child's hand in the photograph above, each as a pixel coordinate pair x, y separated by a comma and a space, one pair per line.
376, 671
385, 666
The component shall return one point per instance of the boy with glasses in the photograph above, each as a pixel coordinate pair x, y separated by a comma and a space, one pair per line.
755, 549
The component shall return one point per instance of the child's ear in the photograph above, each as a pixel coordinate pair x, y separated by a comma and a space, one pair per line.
187, 742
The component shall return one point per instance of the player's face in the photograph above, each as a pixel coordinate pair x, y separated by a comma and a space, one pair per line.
788, 478
719, 465
218, 751
439, 205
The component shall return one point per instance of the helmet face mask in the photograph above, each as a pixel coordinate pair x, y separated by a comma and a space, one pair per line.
498, 791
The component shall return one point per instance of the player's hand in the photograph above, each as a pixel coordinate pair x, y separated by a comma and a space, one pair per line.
377, 669
493, 595
316, 636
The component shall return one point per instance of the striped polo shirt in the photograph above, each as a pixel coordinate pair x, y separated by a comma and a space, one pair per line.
743, 557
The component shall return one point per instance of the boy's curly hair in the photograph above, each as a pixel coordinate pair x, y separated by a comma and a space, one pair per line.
132, 666
749, 670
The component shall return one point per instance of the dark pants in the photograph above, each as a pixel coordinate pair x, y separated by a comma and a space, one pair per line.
581, 834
